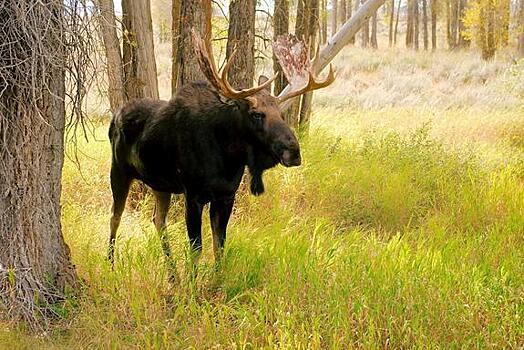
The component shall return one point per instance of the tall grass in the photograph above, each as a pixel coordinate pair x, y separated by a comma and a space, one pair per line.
387, 240
403, 228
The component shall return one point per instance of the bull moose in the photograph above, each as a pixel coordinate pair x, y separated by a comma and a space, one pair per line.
200, 142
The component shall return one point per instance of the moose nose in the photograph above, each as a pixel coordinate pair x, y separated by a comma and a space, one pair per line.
291, 157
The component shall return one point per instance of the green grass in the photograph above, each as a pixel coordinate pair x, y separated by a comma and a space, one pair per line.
404, 227
385, 240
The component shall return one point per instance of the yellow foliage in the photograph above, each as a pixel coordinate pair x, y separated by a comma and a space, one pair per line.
487, 24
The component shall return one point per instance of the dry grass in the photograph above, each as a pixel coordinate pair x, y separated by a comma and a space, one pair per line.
401, 229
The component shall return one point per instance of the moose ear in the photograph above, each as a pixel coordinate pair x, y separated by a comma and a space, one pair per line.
262, 79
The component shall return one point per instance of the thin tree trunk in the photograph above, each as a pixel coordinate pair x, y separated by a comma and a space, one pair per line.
140, 78
433, 25
343, 12
425, 24
193, 14
35, 263
416, 26
334, 16
349, 14
281, 27
357, 5
453, 24
521, 26
115, 73
396, 23
324, 26
241, 35
391, 22
364, 39
175, 37
374, 43
311, 31
462, 40
292, 115
409, 23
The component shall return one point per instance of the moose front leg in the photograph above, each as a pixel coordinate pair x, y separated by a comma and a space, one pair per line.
194, 227
219, 213
163, 200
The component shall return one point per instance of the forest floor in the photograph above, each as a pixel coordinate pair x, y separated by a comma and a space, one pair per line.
404, 227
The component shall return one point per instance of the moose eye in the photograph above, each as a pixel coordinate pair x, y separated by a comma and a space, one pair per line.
258, 116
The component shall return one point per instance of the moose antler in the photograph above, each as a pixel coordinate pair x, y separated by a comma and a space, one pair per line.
293, 56
219, 80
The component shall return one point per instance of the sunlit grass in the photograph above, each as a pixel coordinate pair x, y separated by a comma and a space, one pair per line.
404, 228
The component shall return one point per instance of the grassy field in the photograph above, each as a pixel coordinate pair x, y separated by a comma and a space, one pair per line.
404, 228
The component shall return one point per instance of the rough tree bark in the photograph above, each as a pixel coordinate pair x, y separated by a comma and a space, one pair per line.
35, 264
193, 14
280, 27
140, 79
175, 37
425, 24
241, 36
114, 67
433, 25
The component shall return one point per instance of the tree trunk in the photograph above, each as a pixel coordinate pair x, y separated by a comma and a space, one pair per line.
311, 31
280, 27
409, 24
374, 43
193, 14
292, 115
115, 73
241, 36
324, 26
175, 38
416, 26
391, 22
349, 14
139, 51
343, 12
425, 23
396, 23
357, 5
433, 25
364, 38
521, 26
462, 41
35, 265
334, 16
453, 23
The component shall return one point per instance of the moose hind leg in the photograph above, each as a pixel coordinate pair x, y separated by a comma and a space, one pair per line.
219, 213
120, 183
